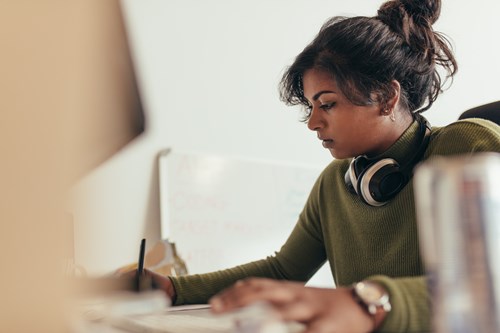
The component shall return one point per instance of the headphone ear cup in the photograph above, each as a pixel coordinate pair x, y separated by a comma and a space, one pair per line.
380, 182
350, 178
356, 168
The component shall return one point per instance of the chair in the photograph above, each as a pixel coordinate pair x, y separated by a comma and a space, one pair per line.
490, 111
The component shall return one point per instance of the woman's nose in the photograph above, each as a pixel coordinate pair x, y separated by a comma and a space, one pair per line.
314, 122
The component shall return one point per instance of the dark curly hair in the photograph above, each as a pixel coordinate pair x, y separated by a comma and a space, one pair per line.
364, 54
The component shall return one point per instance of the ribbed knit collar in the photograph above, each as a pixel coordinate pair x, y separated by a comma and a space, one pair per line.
406, 146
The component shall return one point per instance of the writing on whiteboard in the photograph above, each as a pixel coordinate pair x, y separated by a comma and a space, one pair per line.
224, 211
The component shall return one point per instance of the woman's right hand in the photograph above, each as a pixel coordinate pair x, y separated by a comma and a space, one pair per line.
163, 283
158, 281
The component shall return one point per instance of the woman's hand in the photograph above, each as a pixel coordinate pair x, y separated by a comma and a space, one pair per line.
158, 281
163, 283
321, 310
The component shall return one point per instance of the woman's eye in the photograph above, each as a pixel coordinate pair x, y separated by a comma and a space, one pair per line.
327, 106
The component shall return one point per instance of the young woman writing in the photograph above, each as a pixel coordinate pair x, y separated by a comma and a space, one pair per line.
364, 82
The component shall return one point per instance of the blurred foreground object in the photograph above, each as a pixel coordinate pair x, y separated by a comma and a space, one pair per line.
69, 101
458, 210
163, 259
97, 303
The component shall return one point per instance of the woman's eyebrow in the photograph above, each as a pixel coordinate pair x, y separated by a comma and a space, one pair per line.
318, 94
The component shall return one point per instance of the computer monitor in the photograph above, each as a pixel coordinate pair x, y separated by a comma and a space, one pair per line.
70, 100
107, 112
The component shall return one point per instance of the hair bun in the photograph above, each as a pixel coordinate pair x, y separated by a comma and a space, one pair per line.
428, 10
422, 12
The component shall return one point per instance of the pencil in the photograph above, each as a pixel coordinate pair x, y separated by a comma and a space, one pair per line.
140, 265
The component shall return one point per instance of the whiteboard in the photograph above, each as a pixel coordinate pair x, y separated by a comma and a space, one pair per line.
224, 211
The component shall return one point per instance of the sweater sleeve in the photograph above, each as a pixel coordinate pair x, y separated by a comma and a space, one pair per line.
410, 302
298, 259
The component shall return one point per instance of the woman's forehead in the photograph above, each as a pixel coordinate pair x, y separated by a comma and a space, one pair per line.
315, 81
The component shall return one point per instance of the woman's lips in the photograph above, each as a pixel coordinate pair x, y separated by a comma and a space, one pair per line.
327, 143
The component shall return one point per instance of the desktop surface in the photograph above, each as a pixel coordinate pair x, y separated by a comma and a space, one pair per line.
195, 319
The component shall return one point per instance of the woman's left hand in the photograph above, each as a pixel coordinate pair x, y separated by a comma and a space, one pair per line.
320, 309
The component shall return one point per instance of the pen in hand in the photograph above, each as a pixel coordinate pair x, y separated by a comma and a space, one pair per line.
140, 264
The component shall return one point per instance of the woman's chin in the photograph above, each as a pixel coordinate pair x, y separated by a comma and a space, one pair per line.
336, 154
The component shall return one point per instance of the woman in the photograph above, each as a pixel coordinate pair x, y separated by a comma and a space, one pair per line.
364, 82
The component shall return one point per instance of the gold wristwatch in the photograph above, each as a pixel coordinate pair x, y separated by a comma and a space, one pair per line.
373, 298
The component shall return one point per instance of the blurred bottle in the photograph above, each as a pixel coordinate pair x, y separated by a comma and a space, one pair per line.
458, 211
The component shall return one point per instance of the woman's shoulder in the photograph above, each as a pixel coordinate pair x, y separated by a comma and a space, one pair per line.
467, 135
473, 124
472, 128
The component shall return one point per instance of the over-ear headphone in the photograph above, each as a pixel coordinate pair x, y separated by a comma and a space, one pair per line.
376, 181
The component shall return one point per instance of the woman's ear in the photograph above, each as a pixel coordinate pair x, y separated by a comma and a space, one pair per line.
390, 99
392, 102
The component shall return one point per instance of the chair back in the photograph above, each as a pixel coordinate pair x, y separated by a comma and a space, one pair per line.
490, 111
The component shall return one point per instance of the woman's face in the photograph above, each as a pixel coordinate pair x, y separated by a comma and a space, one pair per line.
345, 129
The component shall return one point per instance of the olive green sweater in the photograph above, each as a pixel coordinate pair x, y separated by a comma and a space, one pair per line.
358, 241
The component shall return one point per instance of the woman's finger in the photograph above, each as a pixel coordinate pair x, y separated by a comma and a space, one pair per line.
249, 291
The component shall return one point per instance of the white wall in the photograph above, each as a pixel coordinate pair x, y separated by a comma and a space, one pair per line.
209, 72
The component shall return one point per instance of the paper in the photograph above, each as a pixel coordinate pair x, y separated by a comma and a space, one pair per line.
188, 307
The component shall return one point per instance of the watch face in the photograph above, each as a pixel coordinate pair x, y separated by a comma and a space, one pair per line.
370, 292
